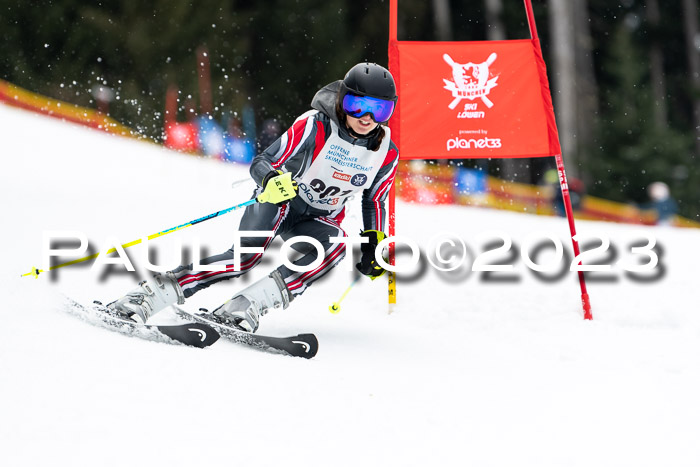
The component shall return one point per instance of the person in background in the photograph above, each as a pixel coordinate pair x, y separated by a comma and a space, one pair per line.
661, 201
576, 192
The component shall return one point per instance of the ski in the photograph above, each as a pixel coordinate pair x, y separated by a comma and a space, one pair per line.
301, 345
194, 334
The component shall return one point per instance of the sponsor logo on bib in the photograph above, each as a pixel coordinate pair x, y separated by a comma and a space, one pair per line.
358, 179
341, 176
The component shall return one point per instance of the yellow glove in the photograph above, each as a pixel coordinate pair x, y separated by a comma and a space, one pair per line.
278, 188
368, 264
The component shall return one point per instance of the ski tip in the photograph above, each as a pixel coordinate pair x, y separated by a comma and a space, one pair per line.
306, 345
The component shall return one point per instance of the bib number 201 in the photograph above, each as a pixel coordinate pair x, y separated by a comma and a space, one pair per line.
323, 191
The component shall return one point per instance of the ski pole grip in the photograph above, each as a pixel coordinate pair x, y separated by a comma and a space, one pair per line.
278, 189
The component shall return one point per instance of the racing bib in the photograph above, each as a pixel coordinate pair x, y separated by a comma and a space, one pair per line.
340, 170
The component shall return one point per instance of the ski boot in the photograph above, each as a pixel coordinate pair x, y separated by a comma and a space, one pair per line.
244, 310
149, 298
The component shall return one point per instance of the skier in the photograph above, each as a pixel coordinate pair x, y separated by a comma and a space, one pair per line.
305, 177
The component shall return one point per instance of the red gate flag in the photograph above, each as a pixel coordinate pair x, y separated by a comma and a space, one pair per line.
486, 99
473, 100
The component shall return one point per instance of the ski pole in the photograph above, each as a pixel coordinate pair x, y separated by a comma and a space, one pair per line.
35, 271
335, 307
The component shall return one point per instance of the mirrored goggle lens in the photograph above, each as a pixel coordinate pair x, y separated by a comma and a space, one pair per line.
357, 106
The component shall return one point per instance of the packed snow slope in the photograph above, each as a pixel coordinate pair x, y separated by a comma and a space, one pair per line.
471, 368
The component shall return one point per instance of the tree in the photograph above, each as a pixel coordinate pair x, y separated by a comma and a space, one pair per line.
442, 17
692, 39
561, 17
658, 81
587, 105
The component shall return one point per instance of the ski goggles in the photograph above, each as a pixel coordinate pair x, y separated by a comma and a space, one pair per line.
357, 106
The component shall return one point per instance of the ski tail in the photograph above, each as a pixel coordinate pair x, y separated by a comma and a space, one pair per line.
191, 333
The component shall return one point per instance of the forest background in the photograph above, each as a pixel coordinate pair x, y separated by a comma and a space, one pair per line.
625, 75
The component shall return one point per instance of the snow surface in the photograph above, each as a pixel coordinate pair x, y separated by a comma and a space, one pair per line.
466, 371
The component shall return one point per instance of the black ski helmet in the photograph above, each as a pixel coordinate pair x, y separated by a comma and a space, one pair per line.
369, 79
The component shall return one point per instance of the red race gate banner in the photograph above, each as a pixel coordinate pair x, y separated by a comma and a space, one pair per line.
486, 99
473, 100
